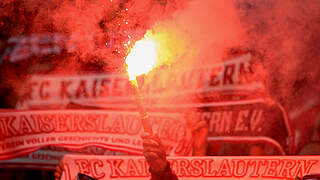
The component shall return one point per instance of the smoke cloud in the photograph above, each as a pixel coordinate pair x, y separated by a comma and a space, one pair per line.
202, 32
282, 33
285, 35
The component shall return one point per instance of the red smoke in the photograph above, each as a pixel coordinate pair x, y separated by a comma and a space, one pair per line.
283, 33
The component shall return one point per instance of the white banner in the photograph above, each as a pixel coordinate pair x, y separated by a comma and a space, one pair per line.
48, 158
218, 82
187, 168
24, 132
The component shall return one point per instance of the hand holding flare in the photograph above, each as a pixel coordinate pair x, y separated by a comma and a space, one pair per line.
142, 59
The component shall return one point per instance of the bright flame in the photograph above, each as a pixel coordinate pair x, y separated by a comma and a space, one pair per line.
142, 57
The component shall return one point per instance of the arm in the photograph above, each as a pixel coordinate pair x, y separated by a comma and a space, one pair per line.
59, 170
156, 158
200, 134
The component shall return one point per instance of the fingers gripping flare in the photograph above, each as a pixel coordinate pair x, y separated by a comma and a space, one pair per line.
154, 152
59, 170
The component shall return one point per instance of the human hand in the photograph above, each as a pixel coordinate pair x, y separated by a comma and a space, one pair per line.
154, 152
199, 132
59, 170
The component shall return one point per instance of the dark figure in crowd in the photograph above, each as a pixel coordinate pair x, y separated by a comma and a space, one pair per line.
155, 155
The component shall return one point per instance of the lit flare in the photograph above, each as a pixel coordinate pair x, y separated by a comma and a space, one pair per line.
142, 57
